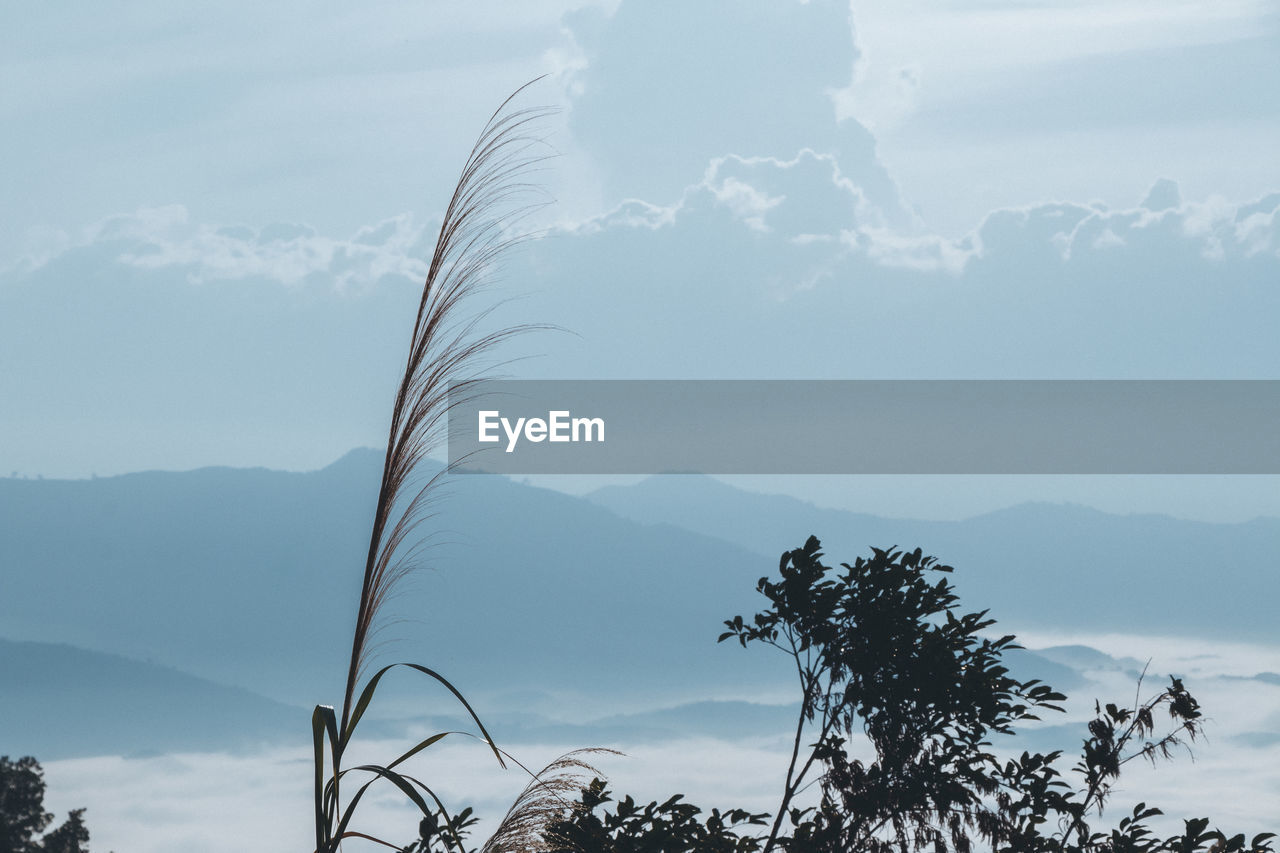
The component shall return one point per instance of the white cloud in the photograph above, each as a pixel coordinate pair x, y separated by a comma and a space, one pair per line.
632, 213
1108, 239
804, 205
745, 202
1214, 228
661, 89
809, 201
165, 238
1259, 232
787, 256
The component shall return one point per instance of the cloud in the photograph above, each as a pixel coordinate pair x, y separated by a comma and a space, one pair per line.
795, 258
808, 198
196, 343
763, 267
1161, 229
982, 105
746, 202
663, 88
1164, 195
880, 96
164, 238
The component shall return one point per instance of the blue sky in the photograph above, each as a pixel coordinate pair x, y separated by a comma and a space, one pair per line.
216, 219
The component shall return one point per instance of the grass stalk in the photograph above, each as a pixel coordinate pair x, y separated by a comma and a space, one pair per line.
445, 351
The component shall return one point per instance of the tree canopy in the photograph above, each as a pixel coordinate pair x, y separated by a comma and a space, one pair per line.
885, 660
22, 814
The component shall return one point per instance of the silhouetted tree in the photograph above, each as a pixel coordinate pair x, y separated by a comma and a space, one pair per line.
71, 837
883, 658
22, 814
440, 831
656, 828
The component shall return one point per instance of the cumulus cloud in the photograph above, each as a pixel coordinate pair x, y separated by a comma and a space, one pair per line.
802, 198
1053, 289
1162, 227
179, 334
662, 88
1164, 195
808, 198
291, 254
1048, 289
763, 267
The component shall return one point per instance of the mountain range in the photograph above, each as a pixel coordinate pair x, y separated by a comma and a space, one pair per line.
233, 591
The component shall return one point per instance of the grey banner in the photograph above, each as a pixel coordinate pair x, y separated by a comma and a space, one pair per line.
867, 427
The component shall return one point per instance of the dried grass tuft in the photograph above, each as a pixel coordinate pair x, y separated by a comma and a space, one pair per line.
490, 197
549, 797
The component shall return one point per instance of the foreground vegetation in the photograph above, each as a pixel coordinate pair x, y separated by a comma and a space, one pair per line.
905, 706
22, 814
889, 668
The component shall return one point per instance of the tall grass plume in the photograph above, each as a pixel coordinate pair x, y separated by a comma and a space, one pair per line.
443, 364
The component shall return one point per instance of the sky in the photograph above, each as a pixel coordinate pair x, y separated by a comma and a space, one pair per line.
217, 220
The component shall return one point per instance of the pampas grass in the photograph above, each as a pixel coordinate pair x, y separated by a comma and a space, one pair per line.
442, 366
546, 798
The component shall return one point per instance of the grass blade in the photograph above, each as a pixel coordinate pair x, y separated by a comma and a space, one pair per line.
324, 721
366, 696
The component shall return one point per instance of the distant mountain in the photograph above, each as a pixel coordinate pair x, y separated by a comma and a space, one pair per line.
241, 576
722, 719
58, 701
1078, 657
767, 524
1271, 678
1053, 565
1042, 666
250, 578
726, 720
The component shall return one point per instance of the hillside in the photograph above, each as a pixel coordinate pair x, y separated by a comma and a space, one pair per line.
249, 578
59, 701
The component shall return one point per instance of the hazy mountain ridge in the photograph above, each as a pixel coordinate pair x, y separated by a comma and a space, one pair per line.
1065, 566
195, 569
250, 578
61, 701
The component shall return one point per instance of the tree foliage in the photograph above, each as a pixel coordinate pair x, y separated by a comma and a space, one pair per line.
902, 699
655, 828
22, 814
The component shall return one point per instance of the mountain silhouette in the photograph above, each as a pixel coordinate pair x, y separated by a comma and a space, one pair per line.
59, 701
249, 578
1038, 565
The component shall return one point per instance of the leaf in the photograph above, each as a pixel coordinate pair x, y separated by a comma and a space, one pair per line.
323, 721
367, 695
